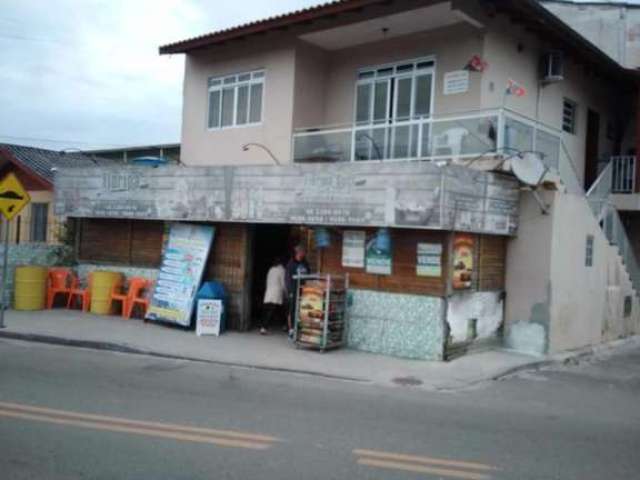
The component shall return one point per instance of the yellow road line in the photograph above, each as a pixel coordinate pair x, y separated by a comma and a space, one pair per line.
423, 460
224, 442
412, 467
167, 427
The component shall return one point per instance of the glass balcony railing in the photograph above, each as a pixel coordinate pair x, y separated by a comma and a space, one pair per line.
460, 137
426, 138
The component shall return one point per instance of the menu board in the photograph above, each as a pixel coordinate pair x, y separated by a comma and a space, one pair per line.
183, 259
353, 248
208, 317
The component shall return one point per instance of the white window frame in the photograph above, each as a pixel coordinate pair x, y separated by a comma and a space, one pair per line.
256, 77
392, 100
574, 119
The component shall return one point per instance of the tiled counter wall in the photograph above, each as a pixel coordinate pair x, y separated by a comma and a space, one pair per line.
408, 326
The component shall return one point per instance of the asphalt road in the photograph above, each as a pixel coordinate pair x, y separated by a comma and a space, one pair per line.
69, 413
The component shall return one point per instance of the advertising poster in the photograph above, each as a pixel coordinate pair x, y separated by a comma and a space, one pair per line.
183, 259
353, 242
378, 260
429, 260
463, 247
208, 317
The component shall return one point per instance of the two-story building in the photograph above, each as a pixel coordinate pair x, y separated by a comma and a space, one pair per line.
467, 132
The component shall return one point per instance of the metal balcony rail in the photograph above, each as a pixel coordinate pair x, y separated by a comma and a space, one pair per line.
624, 174
606, 214
598, 194
617, 235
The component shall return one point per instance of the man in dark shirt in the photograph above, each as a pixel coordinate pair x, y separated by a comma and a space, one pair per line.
298, 265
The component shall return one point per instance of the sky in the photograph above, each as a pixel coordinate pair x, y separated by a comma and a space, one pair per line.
82, 74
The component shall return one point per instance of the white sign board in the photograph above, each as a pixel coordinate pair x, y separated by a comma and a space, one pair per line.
353, 248
456, 82
209, 315
429, 260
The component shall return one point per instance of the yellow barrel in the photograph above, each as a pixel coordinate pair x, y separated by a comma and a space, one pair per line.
102, 283
31, 288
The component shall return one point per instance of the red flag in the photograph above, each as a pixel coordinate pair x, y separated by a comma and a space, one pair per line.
514, 88
476, 64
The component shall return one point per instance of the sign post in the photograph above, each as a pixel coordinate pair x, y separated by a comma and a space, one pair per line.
13, 198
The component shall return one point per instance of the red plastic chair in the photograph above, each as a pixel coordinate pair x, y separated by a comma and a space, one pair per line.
59, 282
84, 294
140, 298
135, 288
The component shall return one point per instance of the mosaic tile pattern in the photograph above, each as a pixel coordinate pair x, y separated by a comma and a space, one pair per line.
408, 326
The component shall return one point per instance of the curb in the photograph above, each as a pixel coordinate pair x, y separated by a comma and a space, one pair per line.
119, 348
572, 355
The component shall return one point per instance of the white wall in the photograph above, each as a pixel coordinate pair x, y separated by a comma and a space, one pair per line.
486, 307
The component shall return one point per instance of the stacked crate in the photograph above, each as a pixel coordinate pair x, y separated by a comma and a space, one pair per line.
321, 311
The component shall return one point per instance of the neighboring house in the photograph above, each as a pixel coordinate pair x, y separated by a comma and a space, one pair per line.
170, 151
362, 120
35, 168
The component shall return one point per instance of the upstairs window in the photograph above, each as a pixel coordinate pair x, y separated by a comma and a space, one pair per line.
235, 100
569, 111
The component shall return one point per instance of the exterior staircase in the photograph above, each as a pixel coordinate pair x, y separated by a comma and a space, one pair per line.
599, 198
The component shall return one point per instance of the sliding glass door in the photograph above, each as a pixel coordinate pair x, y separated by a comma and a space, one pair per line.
390, 103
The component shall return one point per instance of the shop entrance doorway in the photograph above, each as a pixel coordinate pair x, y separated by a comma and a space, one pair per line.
269, 242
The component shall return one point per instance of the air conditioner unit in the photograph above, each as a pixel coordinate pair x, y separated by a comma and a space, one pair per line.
551, 67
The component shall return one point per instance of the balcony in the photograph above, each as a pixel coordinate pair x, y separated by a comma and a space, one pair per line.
466, 136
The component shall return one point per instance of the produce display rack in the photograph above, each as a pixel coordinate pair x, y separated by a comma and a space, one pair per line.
321, 313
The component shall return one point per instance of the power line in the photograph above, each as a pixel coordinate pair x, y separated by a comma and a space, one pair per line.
51, 140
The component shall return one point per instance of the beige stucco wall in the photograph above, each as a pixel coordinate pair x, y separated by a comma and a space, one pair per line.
528, 270
554, 301
512, 53
587, 302
201, 146
452, 47
310, 91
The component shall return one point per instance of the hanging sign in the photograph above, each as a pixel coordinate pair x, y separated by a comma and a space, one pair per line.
208, 316
463, 247
353, 248
378, 260
183, 261
429, 260
13, 196
456, 82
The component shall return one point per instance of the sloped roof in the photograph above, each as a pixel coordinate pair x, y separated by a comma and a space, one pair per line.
41, 161
530, 13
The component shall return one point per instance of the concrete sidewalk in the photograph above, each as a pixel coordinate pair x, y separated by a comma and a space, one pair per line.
251, 350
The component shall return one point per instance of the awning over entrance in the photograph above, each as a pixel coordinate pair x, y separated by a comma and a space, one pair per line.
397, 194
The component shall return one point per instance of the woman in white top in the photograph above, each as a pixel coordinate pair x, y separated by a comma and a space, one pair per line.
274, 294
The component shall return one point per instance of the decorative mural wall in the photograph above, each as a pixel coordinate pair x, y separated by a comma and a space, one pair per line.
400, 194
409, 326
